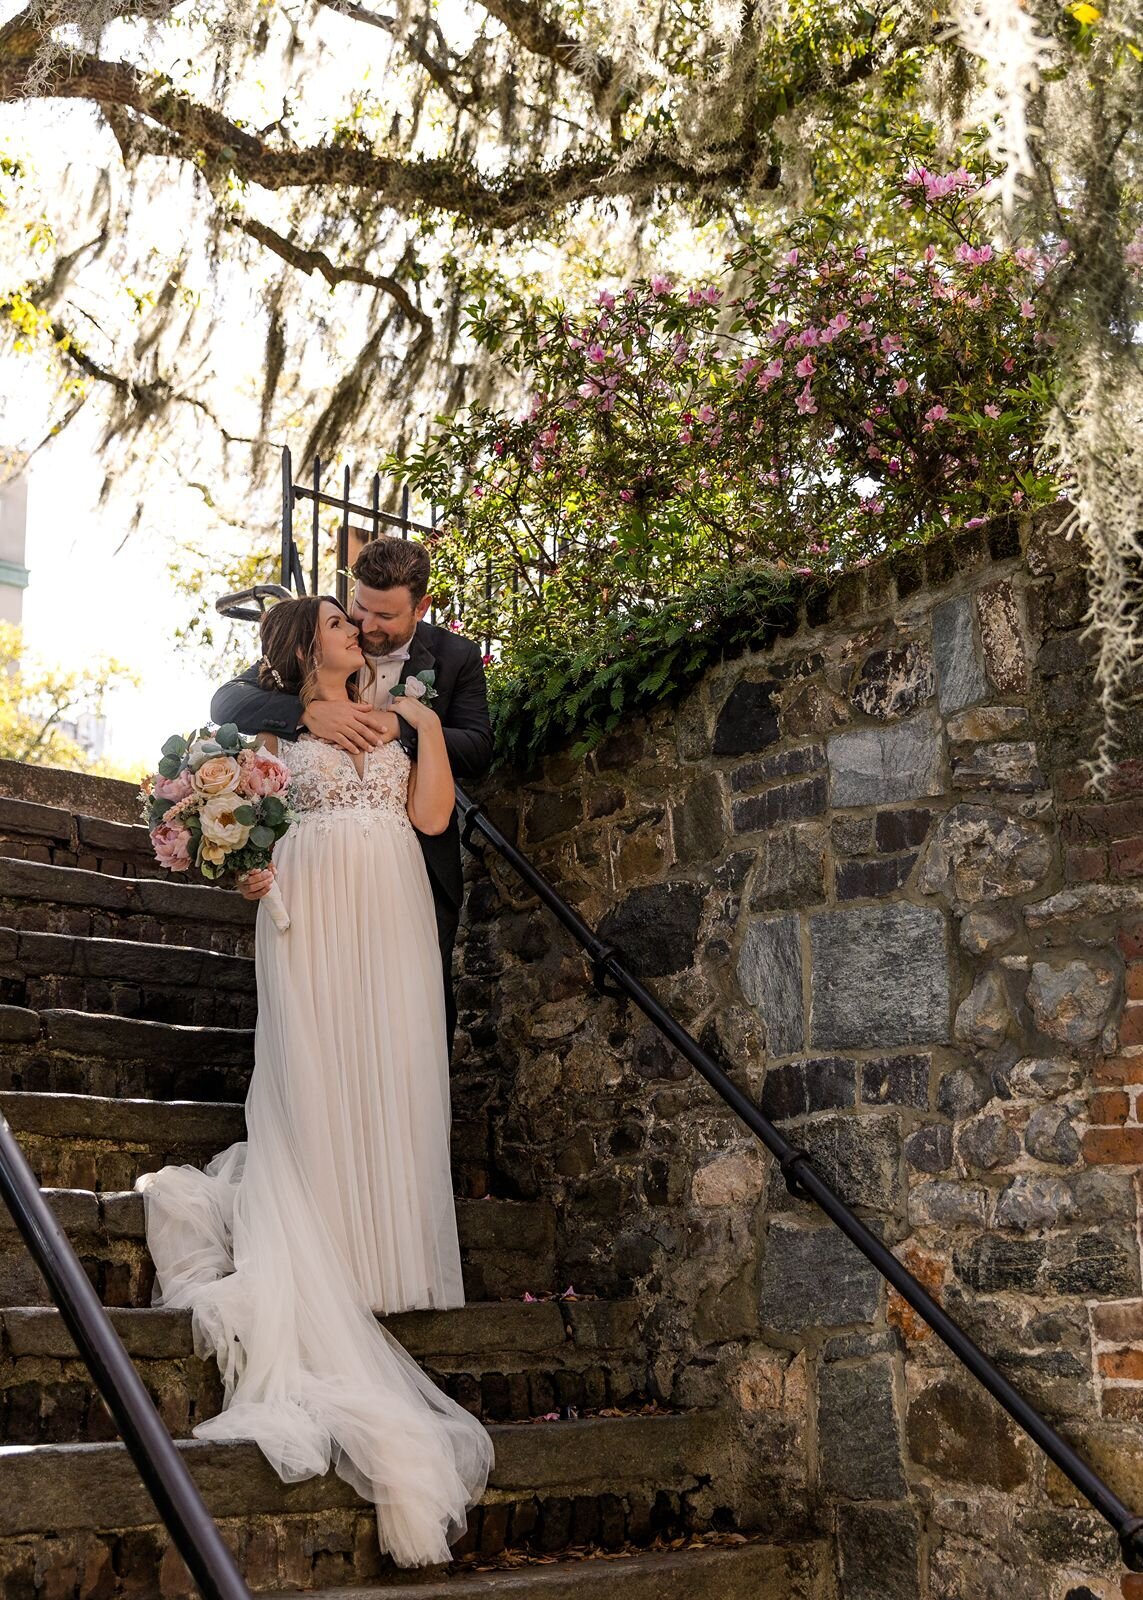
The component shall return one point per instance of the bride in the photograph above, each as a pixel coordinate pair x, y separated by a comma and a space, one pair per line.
339, 1203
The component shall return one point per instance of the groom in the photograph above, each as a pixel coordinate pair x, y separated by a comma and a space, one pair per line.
388, 603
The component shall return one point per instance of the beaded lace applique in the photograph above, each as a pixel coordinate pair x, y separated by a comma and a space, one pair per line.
324, 784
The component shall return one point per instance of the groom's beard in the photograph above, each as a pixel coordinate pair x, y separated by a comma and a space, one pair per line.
382, 644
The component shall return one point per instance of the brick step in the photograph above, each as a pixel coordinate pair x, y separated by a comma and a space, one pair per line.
75, 1519
507, 1248
80, 1052
81, 1141
155, 982
30, 831
501, 1359
748, 1571
43, 898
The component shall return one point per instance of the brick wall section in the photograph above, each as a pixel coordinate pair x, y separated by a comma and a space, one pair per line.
860, 864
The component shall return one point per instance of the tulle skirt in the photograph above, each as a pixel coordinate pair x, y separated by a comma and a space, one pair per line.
339, 1202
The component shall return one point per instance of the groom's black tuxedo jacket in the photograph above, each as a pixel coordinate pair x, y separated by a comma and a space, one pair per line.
461, 704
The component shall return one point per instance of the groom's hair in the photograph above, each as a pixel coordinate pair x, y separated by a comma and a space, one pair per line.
391, 563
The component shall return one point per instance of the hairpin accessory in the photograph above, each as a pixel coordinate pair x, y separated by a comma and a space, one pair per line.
273, 671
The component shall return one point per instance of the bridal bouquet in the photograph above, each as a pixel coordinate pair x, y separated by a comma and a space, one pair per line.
217, 803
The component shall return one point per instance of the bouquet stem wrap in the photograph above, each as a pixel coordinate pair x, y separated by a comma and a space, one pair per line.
276, 907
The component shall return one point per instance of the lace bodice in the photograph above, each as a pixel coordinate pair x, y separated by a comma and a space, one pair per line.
324, 784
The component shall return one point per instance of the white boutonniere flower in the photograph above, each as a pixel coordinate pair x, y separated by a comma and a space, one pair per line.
418, 687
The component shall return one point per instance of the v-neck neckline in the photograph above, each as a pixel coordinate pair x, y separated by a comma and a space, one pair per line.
360, 776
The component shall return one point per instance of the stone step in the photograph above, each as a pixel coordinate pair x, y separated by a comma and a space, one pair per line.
507, 1248
80, 1141
75, 1519
32, 831
156, 982
80, 1052
501, 1359
748, 1571
43, 898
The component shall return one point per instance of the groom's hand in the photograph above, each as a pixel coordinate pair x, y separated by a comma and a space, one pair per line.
348, 725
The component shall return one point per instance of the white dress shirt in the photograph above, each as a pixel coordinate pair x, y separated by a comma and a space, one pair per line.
388, 670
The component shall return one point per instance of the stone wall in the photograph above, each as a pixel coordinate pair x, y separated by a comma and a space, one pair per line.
861, 865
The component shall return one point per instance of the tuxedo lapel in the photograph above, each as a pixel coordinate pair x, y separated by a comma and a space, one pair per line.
421, 658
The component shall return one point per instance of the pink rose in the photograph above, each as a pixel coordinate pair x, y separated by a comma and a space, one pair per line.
261, 774
176, 788
172, 846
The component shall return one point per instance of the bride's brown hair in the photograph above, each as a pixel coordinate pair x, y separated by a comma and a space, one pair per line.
290, 632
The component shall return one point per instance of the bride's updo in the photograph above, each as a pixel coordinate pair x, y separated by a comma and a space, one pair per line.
290, 647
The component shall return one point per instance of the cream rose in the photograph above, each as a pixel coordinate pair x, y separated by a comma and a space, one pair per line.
216, 854
220, 826
217, 776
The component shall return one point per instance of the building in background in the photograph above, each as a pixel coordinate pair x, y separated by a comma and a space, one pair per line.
13, 536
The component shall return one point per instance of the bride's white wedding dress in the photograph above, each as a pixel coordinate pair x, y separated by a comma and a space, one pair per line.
339, 1202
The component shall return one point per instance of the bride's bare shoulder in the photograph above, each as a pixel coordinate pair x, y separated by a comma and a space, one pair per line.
267, 741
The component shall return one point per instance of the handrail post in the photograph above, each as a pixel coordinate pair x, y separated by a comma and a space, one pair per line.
163, 1471
287, 514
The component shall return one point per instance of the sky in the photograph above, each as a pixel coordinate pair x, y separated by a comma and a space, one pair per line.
86, 598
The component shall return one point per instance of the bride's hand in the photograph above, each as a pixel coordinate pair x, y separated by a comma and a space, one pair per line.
255, 885
415, 712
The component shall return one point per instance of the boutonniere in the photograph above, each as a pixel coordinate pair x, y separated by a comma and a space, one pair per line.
418, 686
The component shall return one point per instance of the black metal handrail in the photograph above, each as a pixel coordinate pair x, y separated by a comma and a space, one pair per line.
164, 1472
612, 977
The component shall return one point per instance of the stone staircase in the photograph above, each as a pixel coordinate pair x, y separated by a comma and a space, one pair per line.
126, 1042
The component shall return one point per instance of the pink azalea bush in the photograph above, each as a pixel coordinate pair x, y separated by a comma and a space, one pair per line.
215, 803
816, 406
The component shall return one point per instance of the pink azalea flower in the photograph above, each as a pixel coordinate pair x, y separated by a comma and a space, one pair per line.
606, 299
661, 286
991, 411
1027, 309
805, 367
706, 414
901, 386
805, 403
936, 413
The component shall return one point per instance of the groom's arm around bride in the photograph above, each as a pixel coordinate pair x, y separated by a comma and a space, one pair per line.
389, 602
